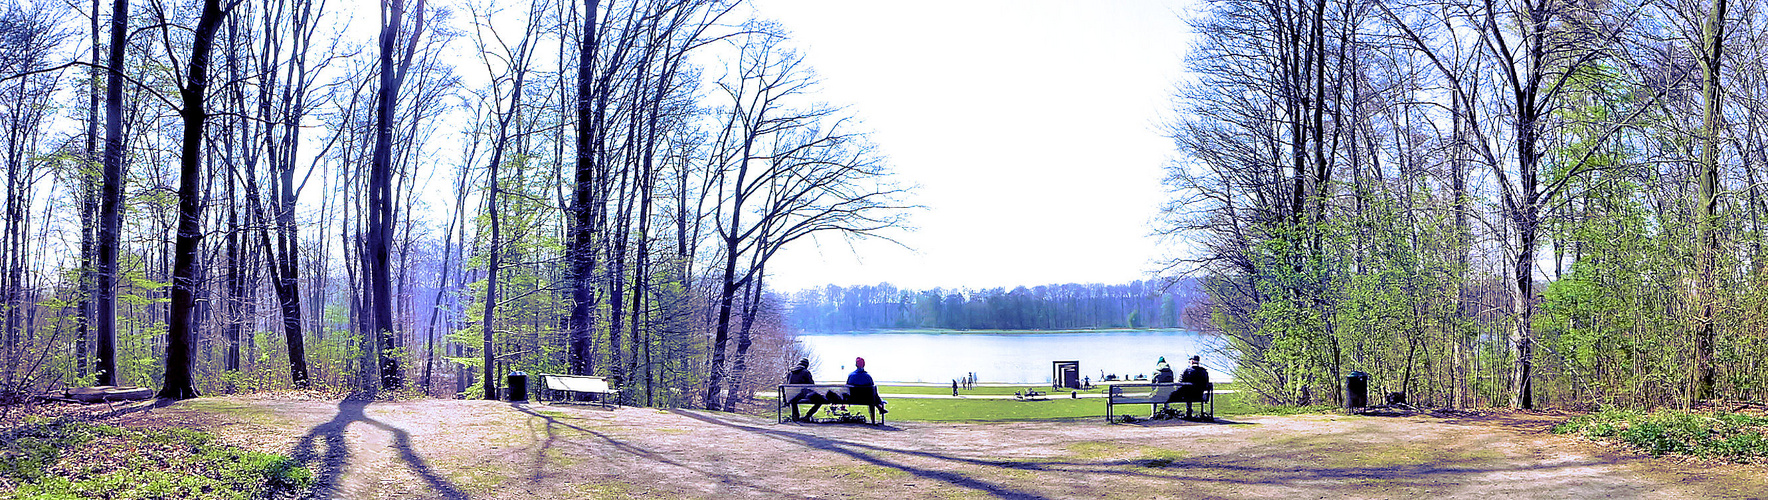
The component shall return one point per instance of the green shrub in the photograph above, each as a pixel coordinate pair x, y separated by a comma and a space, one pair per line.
68, 458
32, 447
1729, 436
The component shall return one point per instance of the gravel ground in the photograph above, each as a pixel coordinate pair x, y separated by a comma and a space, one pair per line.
485, 449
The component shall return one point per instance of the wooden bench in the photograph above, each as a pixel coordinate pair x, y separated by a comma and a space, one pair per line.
1158, 396
830, 395
598, 386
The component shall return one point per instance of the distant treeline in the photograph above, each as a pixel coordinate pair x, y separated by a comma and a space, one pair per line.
1139, 304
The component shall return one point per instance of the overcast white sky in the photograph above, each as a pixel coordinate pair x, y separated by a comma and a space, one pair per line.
1031, 129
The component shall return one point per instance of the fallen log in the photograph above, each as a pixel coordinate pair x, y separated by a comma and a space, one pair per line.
108, 393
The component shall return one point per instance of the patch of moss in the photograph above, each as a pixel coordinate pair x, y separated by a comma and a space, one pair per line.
605, 490
1160, 457
1088, 450
952, 494
1017, 471
480, 479
1404, 455
552, 457
244, 412
1145, 456
858, 471
1299, 441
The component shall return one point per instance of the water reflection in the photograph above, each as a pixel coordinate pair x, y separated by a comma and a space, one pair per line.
1023, 358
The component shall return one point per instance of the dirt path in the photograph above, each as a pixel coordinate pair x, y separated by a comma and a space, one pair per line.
481, 449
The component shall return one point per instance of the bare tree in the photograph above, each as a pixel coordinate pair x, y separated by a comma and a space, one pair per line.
1531, 49
28, 38
180, 333
110, 200
379, 211
493, 52
786, 169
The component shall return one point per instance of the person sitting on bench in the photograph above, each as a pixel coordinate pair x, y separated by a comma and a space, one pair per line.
1163, 373
1196, 379
863, 385
801, 375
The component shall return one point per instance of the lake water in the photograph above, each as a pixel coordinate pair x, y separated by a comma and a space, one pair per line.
1021, 358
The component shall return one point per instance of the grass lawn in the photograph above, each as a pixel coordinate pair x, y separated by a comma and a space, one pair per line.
988, 410
985, 410
1001, 391
979, 391
982, 410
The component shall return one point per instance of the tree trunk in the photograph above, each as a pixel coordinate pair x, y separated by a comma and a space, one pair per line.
89, 195
581, 252
494, 259
1707, 206
380, 213
751, 306
285, 264
111, 201
234, 286
179, 329
730, 283
1526, 221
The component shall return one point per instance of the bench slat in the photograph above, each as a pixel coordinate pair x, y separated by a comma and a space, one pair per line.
579, 383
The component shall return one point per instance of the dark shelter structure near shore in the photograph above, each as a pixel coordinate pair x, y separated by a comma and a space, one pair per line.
1065, 374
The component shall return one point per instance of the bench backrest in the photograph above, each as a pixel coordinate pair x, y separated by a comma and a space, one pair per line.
576, 383
832, 393
1143, 391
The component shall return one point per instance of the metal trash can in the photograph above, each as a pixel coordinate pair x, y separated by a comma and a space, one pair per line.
518, 386
1356, 390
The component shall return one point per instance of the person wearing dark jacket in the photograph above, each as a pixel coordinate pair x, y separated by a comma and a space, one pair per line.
1197, 378
1196, 374
801, 375
862, 383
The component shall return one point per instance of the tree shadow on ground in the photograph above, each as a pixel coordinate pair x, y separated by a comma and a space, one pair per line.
115, 410
1180, 422
1525, 422
881, 426
859, 452
551, 437
329, 468
1261, 465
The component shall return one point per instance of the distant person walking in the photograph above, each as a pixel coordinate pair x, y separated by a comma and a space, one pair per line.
954, 387
862, 383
